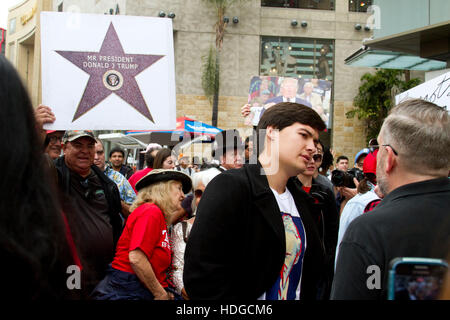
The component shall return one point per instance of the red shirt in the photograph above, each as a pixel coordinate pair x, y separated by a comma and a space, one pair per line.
138, 175
145, 229
306, 189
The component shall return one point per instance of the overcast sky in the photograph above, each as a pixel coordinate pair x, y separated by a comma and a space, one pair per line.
4, 6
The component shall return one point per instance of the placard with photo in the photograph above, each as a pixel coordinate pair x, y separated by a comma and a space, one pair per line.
267, 91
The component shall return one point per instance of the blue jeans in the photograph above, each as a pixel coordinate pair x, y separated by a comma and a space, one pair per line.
121, 285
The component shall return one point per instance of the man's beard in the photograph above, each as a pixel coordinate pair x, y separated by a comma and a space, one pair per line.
382, 181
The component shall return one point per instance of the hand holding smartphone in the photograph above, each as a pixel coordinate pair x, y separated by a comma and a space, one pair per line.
416, 278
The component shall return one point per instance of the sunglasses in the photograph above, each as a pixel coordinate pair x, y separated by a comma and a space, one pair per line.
54, 139
198, 193
317, 157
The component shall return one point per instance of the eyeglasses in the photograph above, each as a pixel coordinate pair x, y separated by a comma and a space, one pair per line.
317, 157
393, 150
198, 193
54, 139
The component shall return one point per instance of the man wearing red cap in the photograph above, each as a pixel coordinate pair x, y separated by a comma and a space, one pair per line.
52, 143
52, 138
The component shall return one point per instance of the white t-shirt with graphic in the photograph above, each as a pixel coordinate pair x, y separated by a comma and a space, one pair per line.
287, 286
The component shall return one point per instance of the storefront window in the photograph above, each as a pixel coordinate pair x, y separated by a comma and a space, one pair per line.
297, 57
302, 4
359, 5
308, 61
12, 26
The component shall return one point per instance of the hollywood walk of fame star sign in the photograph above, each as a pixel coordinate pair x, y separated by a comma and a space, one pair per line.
111, 70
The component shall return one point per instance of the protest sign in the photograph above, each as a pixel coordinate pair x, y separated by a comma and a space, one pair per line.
266, 91
108, 72
436, 90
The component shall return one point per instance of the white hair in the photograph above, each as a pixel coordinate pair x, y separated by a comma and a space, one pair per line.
308, 84
204, 177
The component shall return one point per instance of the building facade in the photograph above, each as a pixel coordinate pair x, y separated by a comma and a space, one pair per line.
258, 32
244, 52
23, 43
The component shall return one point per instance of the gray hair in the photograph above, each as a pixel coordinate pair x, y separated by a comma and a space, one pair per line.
287, 79
308, 84
420, 132
205, 177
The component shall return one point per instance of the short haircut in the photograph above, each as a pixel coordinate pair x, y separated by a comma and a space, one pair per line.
308, 84
149, 158
419, 131
341, 158
204, 176
287, 79
100, 141
116, 149
285, 114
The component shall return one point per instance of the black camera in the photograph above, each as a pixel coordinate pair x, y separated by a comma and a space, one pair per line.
357, 173
342, 179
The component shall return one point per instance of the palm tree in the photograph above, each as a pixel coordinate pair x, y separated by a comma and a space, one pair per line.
211, 65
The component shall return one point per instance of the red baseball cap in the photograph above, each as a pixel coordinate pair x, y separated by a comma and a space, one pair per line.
370, 163
51, 131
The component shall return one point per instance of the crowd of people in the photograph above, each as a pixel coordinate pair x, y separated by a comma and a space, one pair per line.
271, 217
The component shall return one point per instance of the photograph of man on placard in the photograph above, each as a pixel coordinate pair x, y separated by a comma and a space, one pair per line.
267, 91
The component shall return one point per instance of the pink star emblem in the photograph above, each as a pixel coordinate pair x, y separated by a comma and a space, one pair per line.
111, 71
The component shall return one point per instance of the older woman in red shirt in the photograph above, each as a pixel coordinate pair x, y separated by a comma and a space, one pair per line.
143, 254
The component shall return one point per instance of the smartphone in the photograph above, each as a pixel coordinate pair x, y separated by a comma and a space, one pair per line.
416, 278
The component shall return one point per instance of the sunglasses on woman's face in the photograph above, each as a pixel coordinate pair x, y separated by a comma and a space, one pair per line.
317, 157
55, 139
198, 193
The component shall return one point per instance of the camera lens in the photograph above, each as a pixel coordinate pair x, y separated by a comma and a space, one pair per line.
342, 179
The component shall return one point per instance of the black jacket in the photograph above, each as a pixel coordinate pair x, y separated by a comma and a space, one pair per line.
326, 217
411, 221
237, 245
111, 193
